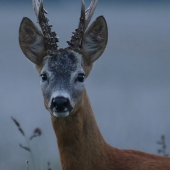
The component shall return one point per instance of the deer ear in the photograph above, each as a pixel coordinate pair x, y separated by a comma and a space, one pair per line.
95, 40
31, 41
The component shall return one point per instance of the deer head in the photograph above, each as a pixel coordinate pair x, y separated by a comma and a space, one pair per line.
63, 71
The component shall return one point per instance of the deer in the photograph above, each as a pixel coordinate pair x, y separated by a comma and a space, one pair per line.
63, 72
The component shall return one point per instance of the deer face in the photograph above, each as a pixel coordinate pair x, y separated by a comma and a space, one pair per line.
62, 82
63, 71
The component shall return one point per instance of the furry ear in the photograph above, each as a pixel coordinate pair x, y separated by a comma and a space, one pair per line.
31, 41
95, 40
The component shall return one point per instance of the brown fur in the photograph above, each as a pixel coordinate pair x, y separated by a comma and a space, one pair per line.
82, 146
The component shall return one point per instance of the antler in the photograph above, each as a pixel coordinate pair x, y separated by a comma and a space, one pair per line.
85, 18
50, 38
90, 12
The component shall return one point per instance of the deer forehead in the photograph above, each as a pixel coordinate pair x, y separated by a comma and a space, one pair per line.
64, 65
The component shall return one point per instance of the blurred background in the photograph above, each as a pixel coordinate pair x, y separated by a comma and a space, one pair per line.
129, 86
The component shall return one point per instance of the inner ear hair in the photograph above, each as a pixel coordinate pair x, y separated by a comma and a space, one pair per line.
31, 41
95, 40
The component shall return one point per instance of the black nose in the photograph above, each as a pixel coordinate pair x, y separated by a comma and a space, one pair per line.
60, 104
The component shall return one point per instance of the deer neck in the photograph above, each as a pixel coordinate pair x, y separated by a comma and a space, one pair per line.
79, 139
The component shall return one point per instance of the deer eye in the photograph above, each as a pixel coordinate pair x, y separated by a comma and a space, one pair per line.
44, 77
81, 77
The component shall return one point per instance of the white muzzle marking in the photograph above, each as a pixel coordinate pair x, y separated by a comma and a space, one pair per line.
60, 114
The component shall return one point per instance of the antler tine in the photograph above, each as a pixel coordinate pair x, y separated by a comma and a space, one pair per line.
90, 12
82, 10
50, 38
36, 6
41, 7
76, 39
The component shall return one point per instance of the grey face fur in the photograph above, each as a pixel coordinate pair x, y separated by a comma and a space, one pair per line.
62, 72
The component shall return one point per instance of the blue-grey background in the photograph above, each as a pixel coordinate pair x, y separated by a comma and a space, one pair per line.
129, 86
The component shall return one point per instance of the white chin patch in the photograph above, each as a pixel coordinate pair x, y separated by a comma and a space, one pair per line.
61, 114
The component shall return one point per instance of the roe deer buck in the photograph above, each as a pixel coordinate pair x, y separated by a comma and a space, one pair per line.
63, 72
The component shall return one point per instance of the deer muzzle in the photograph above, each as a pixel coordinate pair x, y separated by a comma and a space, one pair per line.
60, 106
